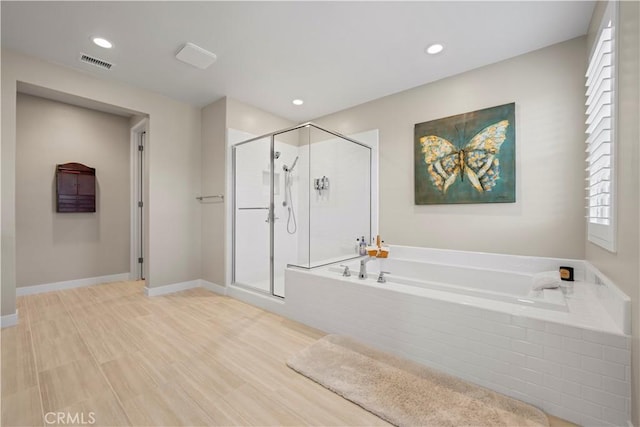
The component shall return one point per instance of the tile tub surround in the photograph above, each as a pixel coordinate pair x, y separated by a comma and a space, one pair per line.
568, 364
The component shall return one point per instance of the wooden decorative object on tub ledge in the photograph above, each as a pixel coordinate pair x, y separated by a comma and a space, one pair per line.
75, 188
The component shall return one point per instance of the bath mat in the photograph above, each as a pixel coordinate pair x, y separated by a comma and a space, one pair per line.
405, 393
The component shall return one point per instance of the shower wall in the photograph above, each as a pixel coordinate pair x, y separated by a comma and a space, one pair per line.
337, 216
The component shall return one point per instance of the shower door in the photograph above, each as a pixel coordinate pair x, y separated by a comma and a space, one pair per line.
301, 197
252, 216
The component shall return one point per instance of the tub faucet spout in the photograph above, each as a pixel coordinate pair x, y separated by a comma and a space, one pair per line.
363, 267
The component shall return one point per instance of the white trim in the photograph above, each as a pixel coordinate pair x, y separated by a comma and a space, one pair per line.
183, 286
266, 302
69, 284
213, 287
9, 320
603, 235
172, 288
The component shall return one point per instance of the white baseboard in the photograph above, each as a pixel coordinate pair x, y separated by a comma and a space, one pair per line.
213, 287
265, 302
9, 320
69, 284
169, 289
183, 286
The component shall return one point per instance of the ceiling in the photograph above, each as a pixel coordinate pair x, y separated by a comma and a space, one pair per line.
333, 55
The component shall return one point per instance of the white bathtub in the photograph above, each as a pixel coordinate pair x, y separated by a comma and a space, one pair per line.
473, 315
498, 285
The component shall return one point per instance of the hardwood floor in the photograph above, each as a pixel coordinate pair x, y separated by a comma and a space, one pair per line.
111, 355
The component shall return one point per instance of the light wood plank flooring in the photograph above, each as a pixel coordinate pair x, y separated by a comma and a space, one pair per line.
110, 354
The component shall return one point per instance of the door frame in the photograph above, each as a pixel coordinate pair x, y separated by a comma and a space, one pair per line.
138, 247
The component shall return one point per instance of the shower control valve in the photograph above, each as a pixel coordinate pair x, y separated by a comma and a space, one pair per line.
271, 218
321, 184
381, 278
346, 272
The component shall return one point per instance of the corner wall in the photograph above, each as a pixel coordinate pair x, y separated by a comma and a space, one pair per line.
253, 120
173, 222
547, 218
214, 118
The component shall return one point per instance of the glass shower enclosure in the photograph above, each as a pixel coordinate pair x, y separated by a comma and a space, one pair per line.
301, 198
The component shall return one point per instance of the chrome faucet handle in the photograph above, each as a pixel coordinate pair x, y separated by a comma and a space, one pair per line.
381, 278
346, 272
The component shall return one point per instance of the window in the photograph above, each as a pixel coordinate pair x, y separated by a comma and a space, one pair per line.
601, 87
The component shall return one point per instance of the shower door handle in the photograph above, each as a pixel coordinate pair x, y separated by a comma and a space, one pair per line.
269, 218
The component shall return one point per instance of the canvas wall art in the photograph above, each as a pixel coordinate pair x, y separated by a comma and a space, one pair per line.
468, 158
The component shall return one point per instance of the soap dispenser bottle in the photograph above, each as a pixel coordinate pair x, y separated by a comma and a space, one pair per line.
363, 247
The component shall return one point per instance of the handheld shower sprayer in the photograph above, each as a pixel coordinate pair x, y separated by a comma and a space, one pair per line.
290, 169
292, 226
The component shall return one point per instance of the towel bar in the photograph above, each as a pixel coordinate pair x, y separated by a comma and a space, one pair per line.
219, 196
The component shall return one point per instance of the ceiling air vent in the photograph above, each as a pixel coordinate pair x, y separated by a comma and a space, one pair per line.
95, 61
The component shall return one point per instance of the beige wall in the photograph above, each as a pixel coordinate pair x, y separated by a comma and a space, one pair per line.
173, 223
623, 267
250, 119
54, 247
546, 220
214, 118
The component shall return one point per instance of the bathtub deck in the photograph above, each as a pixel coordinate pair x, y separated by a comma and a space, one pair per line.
191, 358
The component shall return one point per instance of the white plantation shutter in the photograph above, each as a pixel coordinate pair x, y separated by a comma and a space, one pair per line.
600, 111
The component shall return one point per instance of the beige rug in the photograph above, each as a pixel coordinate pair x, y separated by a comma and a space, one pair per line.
405, 393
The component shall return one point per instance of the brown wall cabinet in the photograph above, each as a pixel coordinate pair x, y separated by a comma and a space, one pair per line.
75, 188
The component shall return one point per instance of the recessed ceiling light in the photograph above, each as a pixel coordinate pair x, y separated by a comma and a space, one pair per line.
298, 102
102, 42
434, 48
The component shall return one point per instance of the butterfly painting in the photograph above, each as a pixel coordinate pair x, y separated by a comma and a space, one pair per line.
468, 158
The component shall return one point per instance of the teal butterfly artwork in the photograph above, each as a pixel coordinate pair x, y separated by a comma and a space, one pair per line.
468, 158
